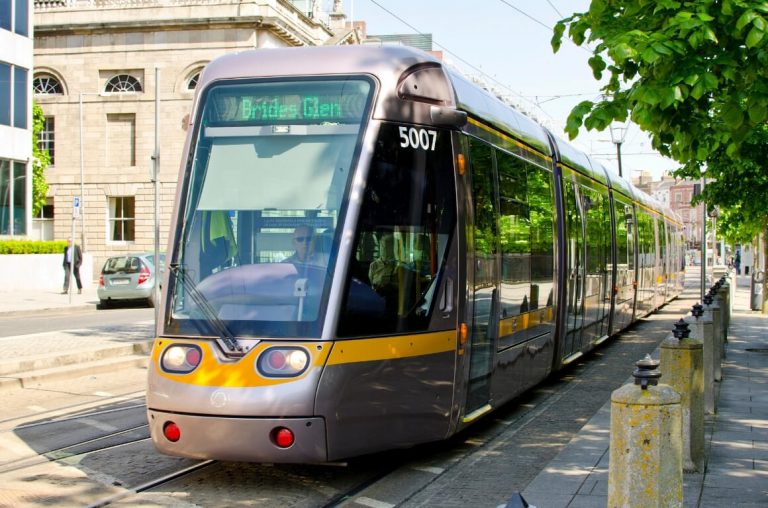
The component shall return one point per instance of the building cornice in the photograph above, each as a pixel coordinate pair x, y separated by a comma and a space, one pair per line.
88, 18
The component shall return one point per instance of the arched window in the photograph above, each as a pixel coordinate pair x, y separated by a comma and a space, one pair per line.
192, 81
123, 83
45, 84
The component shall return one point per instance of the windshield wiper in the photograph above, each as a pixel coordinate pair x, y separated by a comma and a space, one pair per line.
218, 326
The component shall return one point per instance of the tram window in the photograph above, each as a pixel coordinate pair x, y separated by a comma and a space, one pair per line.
622, 247
485, 232
598, 231
514, 236
406, 221
260, 168
542, 246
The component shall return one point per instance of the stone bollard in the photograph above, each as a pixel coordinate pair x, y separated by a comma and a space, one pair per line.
713, 308
682, 359
646, 451
724, 293
703, 328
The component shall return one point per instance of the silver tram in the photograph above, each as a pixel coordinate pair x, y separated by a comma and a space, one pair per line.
370, 252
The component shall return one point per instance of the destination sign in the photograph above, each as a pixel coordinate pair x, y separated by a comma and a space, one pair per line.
305, 101
293, 107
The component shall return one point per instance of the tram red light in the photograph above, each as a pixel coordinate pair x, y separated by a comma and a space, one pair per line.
171, 431
283, 437
276, 359
193, 357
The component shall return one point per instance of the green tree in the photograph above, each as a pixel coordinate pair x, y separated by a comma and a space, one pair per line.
738, 185
693, 74
41, 159
690, 73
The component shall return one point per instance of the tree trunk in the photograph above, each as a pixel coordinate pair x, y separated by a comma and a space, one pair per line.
760, 267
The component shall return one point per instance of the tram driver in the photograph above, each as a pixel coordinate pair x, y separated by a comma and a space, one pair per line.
305, 249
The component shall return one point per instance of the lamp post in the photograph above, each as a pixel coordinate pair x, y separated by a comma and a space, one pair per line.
618, 133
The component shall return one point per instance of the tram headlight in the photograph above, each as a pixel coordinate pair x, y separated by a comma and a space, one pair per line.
282, 362
181, 358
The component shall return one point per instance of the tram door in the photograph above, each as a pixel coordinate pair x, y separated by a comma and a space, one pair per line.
575, 269
484, 295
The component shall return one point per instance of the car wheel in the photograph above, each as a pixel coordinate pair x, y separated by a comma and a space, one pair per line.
151, 301
104, 304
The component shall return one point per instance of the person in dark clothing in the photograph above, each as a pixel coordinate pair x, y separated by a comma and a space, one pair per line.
69, 254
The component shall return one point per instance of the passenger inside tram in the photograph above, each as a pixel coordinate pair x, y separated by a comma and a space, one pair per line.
383, 271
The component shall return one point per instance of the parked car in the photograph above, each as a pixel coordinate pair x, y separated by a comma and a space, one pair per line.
129, 277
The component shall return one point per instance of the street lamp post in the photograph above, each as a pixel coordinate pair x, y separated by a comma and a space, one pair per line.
618, 133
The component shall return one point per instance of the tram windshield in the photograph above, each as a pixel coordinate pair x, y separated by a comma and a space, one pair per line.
265, 191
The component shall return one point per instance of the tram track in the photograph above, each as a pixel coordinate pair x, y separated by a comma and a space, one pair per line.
65, 412
97, 444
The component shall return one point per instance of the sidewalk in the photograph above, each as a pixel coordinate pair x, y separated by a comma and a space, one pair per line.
736, 437
32, 359
37, 301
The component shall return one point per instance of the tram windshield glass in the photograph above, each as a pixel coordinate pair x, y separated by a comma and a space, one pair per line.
269, 171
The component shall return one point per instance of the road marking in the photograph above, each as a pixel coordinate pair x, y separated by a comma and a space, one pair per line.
99, 425
103, 394
430, 469
373, 503
37, 409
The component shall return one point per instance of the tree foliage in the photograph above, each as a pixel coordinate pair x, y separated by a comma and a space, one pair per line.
738, 185
690, 73
41, 159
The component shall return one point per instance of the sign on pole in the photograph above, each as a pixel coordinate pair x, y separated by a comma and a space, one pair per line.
76, 207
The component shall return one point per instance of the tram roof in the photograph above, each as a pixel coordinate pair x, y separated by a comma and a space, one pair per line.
317, 61
481, 104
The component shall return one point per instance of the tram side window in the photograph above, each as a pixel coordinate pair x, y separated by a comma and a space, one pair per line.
514, 235
405, 227
486, 227
597, 232
646, 240
622, 255
542, 212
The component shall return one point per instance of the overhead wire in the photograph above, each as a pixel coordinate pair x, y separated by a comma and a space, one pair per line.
555, 9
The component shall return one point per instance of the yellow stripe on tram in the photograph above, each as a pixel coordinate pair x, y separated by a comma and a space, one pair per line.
389, 348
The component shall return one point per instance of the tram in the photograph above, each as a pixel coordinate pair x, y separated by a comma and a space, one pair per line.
369, 252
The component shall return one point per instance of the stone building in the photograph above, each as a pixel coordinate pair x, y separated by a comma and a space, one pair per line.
681, 194
95, 74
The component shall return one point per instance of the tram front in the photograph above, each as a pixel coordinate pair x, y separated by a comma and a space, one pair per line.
308, 303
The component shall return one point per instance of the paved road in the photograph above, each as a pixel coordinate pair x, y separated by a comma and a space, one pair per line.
65, 319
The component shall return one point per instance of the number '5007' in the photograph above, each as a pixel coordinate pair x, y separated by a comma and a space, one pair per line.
423, 139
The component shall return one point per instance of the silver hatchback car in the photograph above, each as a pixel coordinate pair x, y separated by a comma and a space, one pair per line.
129, 277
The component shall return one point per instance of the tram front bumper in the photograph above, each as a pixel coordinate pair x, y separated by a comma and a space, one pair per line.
239, 439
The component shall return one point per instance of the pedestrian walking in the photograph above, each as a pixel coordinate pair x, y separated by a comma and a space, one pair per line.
72, 256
